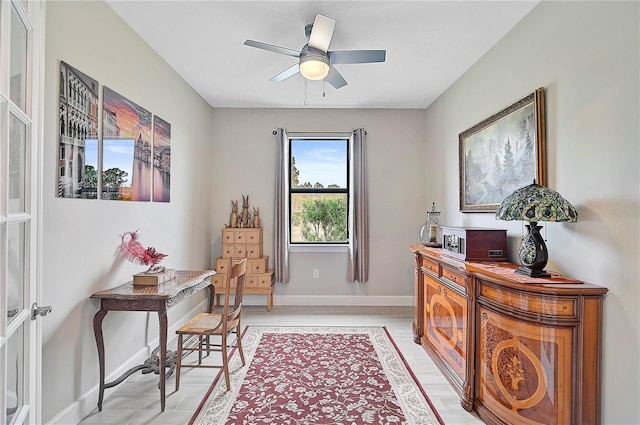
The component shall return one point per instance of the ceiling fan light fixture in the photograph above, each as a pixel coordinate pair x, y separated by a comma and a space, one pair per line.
315, 60
314, 65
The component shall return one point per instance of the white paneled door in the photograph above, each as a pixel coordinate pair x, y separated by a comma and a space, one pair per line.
21, 77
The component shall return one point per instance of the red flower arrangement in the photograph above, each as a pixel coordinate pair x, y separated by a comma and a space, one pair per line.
137, 254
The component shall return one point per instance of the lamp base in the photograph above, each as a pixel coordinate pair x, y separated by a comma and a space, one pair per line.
533, 253
532, 272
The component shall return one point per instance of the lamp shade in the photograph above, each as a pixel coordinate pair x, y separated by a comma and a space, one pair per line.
536, 203
314, 63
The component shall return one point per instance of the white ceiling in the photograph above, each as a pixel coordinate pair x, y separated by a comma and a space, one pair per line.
429, 45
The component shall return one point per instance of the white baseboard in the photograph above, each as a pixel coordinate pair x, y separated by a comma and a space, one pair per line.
335, 300
88, 401
346, 300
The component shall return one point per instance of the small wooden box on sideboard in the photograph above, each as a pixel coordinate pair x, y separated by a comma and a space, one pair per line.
239, 243
518, 350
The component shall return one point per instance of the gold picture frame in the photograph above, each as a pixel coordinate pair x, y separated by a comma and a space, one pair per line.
503, 153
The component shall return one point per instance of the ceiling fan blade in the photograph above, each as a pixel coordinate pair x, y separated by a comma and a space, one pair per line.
272, 48
322, 32
357, 56
286, 73
335, 78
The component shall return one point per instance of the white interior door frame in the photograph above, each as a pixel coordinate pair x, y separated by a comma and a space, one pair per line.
21, 135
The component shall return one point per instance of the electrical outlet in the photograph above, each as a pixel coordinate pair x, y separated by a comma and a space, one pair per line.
316, 273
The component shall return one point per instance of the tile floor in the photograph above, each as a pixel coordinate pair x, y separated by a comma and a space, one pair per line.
136, 401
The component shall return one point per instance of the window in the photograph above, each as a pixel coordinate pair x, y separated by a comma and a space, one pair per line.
319, 188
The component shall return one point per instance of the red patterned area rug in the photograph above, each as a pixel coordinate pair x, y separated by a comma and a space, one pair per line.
317, 375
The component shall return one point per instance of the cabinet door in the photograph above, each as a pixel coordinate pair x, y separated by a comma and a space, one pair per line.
520, 366
445, 325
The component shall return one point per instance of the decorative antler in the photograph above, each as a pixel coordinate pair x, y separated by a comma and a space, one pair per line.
133, 251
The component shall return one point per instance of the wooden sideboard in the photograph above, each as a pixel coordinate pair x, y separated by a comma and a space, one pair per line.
518, 350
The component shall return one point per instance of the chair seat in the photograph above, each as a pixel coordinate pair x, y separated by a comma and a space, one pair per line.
203, 323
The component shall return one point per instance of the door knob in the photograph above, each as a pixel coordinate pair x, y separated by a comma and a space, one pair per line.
39, 311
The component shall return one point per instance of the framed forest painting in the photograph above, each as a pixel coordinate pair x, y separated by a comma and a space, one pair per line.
503, 153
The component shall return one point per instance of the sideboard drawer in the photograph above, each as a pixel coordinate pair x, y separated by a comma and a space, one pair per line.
454, 277
529, 303
430, 266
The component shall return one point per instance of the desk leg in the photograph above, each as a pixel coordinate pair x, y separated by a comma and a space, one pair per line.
162, 317
97, 331
212, 293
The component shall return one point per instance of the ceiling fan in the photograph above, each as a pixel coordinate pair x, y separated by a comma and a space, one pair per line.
316, 62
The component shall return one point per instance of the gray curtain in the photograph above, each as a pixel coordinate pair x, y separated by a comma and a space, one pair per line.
358, 262
281, 233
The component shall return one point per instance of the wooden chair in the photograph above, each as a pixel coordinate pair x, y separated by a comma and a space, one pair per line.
196, 334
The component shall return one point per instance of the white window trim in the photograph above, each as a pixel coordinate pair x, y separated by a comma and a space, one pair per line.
318, 247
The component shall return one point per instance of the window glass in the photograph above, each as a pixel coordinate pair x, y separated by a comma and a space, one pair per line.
319, 190
15, 375
17, 164
18, 62
318, 163
16, 269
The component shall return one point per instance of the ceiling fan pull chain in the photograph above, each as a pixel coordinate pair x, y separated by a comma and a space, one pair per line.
323, 93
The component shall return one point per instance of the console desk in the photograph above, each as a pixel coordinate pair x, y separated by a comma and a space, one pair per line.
518, 350
161, 297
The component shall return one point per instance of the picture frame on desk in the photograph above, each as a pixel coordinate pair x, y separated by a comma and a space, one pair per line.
503, 153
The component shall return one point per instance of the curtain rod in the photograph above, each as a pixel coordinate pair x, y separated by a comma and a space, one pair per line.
274, 132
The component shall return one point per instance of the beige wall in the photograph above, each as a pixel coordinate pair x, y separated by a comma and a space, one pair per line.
244, 164
81, 236
586, 56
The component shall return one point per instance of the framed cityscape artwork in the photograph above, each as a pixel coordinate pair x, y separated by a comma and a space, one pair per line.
126, 149
161, 160
78, 135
